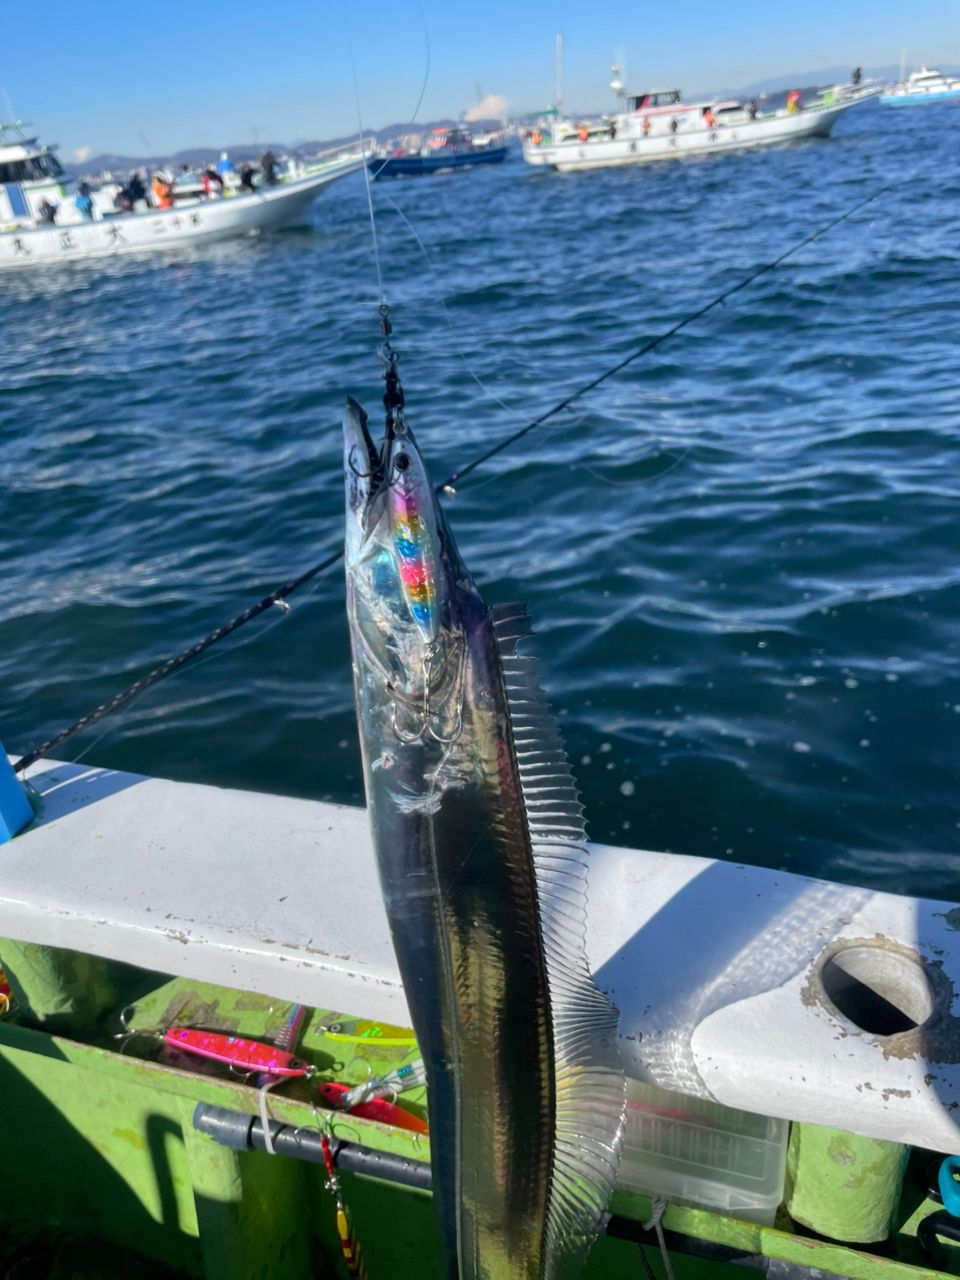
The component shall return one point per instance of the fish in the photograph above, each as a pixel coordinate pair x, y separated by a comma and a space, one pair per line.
481, 853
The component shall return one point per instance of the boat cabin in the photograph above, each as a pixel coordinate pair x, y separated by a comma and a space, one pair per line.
658, 98
452, 138
925, 77
928, 80
29, 173
730, 113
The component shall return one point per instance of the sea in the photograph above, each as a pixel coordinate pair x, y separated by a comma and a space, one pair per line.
741, 553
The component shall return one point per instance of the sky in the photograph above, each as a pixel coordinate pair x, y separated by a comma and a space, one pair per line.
137, 79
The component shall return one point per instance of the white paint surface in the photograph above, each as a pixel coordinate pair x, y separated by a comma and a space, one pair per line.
707, 961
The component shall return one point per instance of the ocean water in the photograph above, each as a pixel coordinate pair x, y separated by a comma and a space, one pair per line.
742, 554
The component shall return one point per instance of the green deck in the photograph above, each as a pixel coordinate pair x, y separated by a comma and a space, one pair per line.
99, 1154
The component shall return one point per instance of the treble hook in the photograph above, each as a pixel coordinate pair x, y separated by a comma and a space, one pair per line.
426, 726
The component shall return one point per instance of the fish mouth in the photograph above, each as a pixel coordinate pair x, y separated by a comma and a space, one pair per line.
364, 458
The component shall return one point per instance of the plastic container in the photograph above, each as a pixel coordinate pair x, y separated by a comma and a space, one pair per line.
701, 1153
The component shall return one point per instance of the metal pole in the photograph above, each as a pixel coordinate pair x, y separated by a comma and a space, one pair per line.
559, 102
242, 1132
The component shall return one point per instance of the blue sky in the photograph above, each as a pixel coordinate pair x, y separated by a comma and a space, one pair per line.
104, 76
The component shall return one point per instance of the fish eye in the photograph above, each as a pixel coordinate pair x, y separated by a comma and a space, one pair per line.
401, 461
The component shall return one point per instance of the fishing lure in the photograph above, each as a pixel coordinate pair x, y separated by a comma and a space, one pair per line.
415, 552
290, 1031
6, 995
389, 1085
286, 1038
235, 1051
349, 1245
334, 1095
364, 1032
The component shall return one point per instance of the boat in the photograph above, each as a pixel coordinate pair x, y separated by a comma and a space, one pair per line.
31, 174
789, 1044
922, 88
659, 125
446, 148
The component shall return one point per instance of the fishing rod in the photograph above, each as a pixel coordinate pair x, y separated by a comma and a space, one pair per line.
278, 597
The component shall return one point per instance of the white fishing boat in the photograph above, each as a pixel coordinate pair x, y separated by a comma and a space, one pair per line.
924, 86
34, 189
659, 125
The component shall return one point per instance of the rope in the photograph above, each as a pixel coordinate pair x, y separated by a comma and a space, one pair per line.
656, 1223
278, 596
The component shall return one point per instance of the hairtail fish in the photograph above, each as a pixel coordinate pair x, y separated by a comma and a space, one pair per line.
481, 852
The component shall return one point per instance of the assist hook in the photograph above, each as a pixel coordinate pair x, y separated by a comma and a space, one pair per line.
393, 395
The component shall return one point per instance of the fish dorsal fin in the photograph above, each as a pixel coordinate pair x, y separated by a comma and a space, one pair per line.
590, 1089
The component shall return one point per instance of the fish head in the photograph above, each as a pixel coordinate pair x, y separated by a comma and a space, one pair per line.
401, 564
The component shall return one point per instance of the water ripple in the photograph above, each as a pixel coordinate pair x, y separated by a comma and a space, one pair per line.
741, 554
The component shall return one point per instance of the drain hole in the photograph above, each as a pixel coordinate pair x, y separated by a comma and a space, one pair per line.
879, 991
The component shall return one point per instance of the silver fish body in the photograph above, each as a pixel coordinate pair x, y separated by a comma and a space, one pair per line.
479, 842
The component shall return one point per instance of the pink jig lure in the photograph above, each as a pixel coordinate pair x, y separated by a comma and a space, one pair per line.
245, 1055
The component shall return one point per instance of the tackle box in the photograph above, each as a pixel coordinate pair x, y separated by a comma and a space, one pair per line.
701, 1153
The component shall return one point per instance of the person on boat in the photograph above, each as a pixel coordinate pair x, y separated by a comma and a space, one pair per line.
645, 127
162, 191
46, 213
709, 119
793, 102
212, 183
752, 110
122, 202
136, 190
225, 165
84, 202
246, 179
674, 124
268, 163
856, 77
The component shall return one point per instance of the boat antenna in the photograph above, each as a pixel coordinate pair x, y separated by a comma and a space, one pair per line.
559, 102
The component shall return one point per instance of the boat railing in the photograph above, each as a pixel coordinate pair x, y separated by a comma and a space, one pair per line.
347, 150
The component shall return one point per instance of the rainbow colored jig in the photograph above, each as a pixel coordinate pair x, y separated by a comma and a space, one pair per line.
411, 540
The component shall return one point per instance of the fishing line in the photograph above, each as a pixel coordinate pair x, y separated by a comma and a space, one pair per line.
366, 171
661, 338
174, 664
416, 112
201, 662
279, 595
443, 305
